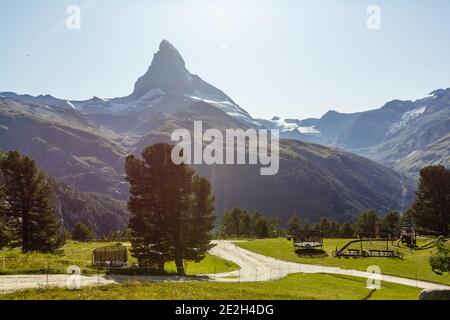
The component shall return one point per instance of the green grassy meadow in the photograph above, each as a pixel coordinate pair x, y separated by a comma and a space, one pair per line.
414, 264
13, 261
292, 287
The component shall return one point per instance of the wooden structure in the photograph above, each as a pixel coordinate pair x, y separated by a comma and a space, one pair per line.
363, 253
110, 256
408, 236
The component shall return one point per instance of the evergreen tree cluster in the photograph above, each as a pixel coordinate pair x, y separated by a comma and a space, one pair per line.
82, 232
239, 222
431, 209
27, 217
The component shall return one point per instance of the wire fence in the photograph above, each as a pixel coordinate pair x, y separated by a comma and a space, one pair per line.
22, 272
24, 265
64, 272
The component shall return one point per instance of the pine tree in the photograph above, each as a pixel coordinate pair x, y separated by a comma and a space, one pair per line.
432, 204
165, 203
47, 234
261, 227
367, 224
324, 227
82, 232
440, 259
199, 223
307, 229
236, 215
245, 224
274, 224
391, 223
334, 230
5, 237
407, 218
5, 234
294, 225
232, 222
346, 230
29, 211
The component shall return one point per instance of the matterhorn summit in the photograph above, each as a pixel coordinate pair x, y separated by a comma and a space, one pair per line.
165, 88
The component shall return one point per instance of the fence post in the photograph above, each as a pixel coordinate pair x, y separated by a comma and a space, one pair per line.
46, 283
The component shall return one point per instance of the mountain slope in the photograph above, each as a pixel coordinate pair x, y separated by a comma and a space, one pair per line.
65, 144
313, 180
404, 135
83, 143
100, 212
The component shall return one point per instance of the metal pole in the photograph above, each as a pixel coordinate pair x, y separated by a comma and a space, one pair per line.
46, 283
416, 280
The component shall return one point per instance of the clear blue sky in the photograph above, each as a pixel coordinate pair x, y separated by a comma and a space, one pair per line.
290, 58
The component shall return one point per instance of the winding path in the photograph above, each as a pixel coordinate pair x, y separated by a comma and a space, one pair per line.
253, 267
257, 267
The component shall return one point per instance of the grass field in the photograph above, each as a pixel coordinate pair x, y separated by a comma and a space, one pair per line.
414, 264
293, 287
80, 254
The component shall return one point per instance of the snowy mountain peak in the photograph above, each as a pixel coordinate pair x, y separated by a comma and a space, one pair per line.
166, 87
440, 92
168, 57
167, 72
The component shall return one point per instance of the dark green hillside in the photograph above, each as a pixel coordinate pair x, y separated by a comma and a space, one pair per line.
313, 180
101, 212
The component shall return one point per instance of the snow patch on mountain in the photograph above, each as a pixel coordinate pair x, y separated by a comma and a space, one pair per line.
136, 105
406, 118
71, 105
153, 93
309, 130
227, 106
285, 125
221, 103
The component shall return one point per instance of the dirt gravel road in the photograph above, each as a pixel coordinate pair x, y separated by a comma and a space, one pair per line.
253, 267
